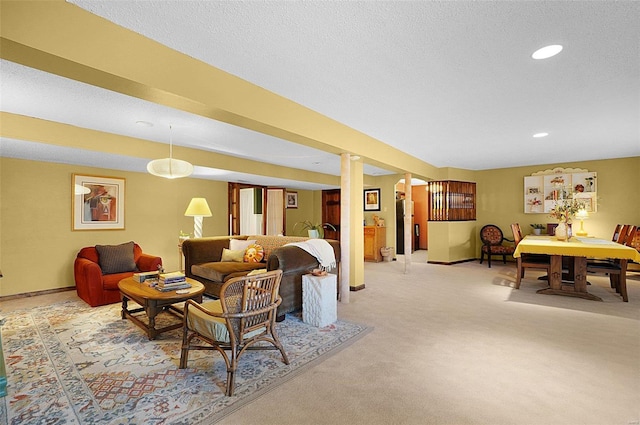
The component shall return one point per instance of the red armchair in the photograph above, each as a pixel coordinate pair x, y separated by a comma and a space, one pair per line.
97, 288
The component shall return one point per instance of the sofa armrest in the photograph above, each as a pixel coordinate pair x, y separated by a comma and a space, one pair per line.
291, 259
88, 277
148, 263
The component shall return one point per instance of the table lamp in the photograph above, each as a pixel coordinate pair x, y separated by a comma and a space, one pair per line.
582, 215
197, 209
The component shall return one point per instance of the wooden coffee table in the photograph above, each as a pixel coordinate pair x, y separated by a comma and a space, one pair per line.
153, 302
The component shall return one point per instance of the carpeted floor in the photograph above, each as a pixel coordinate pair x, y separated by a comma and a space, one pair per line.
457, 345
70, 363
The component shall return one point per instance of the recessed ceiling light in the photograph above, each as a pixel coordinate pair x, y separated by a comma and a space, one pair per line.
145, 123
547, 51
538, 135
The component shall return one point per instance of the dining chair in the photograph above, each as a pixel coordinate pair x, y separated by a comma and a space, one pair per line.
616, 268
244, 315
616, 233
528, 261
493, 244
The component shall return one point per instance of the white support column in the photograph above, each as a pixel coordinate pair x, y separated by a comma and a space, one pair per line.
408, 228
345, 226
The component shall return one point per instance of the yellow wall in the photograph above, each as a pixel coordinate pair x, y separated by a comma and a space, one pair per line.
37, 245
307, 206
500, 199
451, 241
501, 193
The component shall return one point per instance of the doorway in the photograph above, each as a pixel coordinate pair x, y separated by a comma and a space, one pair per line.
255, 210
331, 213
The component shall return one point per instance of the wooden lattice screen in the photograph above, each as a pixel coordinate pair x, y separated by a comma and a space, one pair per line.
451, 200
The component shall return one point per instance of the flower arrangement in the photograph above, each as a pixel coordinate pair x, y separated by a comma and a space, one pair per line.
566, 209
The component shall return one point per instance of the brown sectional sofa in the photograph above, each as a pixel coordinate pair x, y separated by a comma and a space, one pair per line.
202, 262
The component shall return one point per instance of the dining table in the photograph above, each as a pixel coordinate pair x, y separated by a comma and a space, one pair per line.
577, 249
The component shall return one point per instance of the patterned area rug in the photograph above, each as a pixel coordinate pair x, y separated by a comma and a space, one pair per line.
70, 363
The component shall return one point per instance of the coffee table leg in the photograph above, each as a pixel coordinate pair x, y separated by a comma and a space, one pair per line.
152, 312
124, 307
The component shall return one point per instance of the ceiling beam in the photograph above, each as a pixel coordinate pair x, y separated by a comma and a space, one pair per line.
31, 129
64, 39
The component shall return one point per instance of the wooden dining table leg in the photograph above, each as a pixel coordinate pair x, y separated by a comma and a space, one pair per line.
622, 280
580, 274
576, 289
555, 278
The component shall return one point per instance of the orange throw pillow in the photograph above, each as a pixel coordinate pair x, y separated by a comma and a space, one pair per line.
254, 254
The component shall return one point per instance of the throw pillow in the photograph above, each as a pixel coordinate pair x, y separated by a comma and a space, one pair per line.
236, 244
254, 254
256, 272
235, 255
116, 258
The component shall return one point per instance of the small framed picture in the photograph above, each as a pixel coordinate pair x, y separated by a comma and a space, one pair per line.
292, 199
98, 202
372, 200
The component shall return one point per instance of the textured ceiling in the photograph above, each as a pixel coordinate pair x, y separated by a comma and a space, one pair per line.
451, 83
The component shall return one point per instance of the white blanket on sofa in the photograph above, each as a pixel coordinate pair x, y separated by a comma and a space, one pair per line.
319, 248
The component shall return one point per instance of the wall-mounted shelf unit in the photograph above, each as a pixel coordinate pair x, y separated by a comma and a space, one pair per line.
543, 189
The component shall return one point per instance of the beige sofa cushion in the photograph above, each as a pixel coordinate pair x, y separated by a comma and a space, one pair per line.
269, 243
218, 270
212, 327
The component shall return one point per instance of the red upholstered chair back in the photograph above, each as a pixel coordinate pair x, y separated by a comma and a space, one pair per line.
491, 235
91, 253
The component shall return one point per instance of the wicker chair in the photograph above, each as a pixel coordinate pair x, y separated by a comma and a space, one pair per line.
244, 315
492, 244
528, 261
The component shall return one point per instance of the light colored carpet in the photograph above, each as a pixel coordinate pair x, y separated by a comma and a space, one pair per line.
457, 345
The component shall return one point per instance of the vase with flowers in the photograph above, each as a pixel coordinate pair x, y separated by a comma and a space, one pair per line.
564, 211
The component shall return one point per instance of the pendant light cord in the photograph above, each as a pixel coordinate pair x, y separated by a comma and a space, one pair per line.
170, 151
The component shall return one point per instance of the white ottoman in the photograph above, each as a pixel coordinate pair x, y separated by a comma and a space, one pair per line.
319, 299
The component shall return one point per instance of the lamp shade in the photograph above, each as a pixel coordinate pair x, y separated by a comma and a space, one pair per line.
582, 214
170, 168
198, 207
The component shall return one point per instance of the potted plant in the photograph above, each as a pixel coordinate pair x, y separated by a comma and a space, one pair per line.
314, 231
537, 228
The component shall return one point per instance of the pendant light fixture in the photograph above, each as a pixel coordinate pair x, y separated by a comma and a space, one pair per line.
170, 168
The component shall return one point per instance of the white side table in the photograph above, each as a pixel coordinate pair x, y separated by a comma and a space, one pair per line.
319, 299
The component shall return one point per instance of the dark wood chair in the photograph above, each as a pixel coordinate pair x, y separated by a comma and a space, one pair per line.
244, 315
528, 261
616, 268
493, 244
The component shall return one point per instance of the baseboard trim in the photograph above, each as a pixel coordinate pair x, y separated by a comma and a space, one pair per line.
452, 262
36, 293
356, 288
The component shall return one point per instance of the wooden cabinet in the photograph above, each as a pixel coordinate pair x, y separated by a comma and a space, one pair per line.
375, 237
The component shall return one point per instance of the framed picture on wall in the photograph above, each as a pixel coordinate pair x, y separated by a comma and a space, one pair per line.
292, 199
372, 200
98, 202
